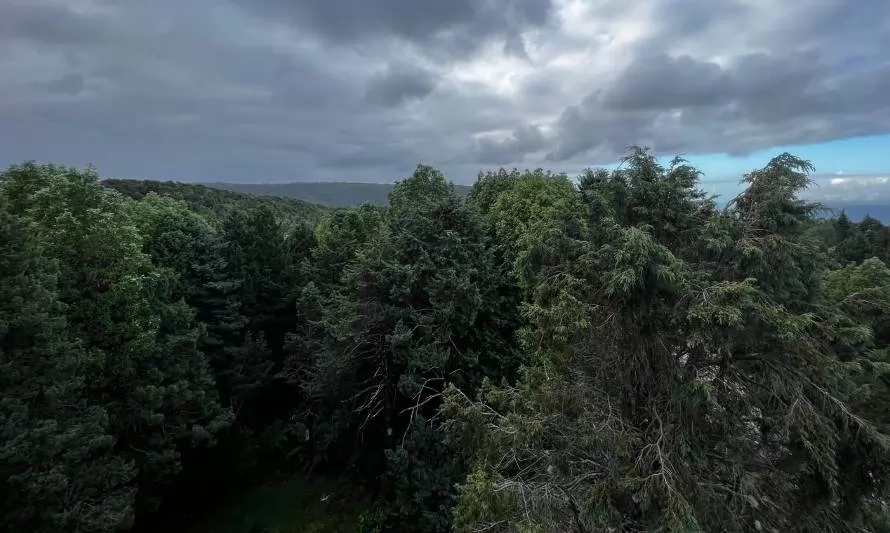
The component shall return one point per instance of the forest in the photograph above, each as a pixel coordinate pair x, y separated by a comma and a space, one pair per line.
612, 352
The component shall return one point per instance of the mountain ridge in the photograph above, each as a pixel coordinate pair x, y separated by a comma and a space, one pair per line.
338, 194
327, 193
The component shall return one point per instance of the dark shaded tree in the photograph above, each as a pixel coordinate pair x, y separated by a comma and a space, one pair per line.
58, 470
143, 365
425, 305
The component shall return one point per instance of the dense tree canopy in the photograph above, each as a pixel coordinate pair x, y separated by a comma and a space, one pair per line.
689, 380
608, 353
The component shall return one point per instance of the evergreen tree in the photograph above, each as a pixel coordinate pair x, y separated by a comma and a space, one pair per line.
338, 240
144, 367
608, 354
257, 254
489, 186
676, 388
58, 471
843, 228
182, 241
266, 261
425, 305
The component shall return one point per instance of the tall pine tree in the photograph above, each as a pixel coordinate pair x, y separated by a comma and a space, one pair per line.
145, 368
58, 470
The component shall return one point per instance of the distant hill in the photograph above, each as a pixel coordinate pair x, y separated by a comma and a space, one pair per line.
310, 201
857, 212
218, 203
334, 194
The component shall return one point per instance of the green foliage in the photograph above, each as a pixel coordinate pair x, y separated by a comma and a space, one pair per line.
854, 243
423, 304
537, 221
489, 186
342, 194
338, 240
420, 479
682, 378
611, 353
58, 471
371, 520
142, 365
218, 204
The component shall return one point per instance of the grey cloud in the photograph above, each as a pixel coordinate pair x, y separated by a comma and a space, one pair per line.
591, 127
453, 27
821, 74
69, 84
198, 92
689, 17
515, 46
523, 140
48, 23
756, 101
362, 90
185, 95
661, 82
399, 83
694, 20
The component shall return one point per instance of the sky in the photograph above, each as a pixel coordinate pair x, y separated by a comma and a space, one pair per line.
363, 90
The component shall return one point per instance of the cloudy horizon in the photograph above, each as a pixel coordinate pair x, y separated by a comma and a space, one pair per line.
363, 90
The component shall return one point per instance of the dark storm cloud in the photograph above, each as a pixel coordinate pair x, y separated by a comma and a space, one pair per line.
200, 90
276, 90
662, 82
166, 95
398, 83
451, 26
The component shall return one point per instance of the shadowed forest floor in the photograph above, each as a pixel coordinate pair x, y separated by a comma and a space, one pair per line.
282, 507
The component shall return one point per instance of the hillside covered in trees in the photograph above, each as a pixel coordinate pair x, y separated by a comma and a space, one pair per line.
334, 194
615, 353
218, 204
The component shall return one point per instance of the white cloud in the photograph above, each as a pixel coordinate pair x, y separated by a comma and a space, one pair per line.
852, 189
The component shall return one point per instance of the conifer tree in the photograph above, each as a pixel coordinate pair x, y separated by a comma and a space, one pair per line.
424, 305
58, 471
683, 382
144, 367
